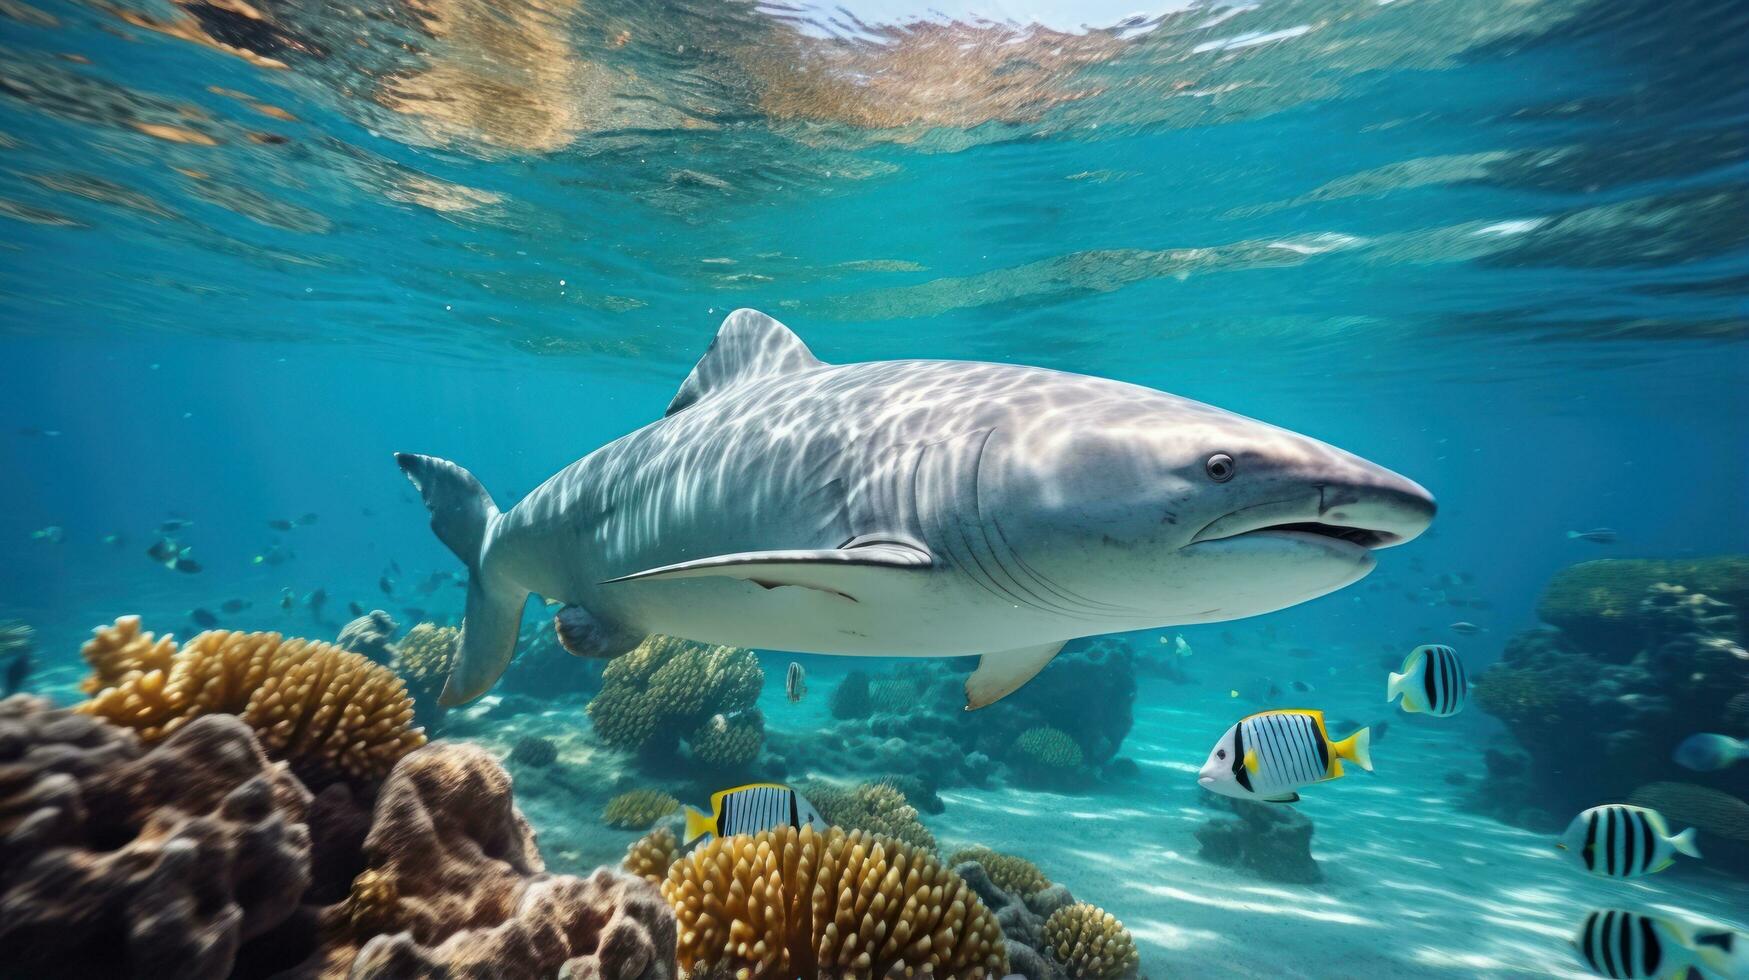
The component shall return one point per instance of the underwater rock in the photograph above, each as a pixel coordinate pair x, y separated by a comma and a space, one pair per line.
332, 714
910, 914
534, 750
1597, 722
370, 635
1598, 603
119, 860
1270, 840
544, 669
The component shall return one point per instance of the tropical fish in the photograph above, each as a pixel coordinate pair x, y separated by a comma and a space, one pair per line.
234, 605
1631, 946
1259, 690
355, 609
116, 540
287, 599
174, 524
1432, 681
1466, 628
17, 672
387, 586
168, 553
31, 430
52, 534
750, 809
1597, 535
203, 617
1268, 756
317, 600
1709, 752
276, 554
308, 519
280, 525
795, 682
1300, 686
924, 508
1617, 840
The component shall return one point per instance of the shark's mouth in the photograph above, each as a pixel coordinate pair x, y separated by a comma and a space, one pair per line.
1364, 537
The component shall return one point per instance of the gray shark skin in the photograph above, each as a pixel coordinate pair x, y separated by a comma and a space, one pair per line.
911, 508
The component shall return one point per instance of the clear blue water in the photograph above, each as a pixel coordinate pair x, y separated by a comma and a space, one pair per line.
1498, 247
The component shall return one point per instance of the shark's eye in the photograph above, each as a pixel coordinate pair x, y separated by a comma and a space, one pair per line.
1220, 753
1220, 467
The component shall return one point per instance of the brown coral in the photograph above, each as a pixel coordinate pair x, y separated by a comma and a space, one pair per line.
801, 903
729, 743
1090, 943
1709, 809
876, 808
424, 655
330, 713
1009, 873
667, 688
371, 635
638, 809
454, 886
650, 856
118, 861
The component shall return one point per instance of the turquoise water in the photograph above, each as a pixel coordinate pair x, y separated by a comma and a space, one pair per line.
1496, 247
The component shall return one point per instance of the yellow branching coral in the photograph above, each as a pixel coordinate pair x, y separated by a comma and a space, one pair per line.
651, 855
1049, 747
638, 809
877, 808
1089, 942
831, 904
330, 713
728, 742
667, 688
371, 905
1007, 872
423, 657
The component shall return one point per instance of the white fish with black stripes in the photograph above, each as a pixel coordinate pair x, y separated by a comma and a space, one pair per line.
1618, 840
1268, 756
749, 809
1433, 681
1631, 946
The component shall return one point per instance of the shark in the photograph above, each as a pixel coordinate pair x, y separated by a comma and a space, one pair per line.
910, 508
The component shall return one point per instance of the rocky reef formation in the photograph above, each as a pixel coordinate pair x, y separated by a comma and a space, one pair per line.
1062, 730
371, 635
830, 904
1047, 933
1640, 655
199, 857
332, 714
668, 693
1268, 840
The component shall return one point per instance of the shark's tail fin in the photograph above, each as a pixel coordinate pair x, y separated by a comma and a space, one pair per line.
462, 515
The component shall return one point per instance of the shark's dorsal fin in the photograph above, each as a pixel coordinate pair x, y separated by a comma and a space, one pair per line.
749, 344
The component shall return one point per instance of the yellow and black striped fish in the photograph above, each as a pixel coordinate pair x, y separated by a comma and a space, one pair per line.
750, 809
1268, 756
1631, 946
1433, 681
1617, 840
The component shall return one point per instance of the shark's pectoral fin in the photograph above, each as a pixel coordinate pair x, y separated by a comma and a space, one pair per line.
842, 571
584, 635
1001, 674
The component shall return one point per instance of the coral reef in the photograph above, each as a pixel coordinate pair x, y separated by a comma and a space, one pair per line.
534, 750
1268, 840
422, 658
1635, 678
1598, 603
1714, 812
667, 690
850, 699
371, 635
638, 809
1023, 917
1009, 873
330, 713
876, 808
544, 669
1047, 754
650, 856
729, 743
829, 905
119, 861
1090, 943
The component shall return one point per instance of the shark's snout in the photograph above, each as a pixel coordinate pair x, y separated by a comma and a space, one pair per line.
1355, 502
1387, 509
